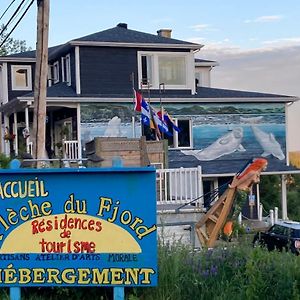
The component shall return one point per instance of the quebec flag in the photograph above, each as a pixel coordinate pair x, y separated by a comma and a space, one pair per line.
146, 115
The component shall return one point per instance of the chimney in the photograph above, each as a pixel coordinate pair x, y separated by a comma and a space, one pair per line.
122, 25
164, 32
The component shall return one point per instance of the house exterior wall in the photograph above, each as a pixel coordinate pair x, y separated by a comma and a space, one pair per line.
235, 131
106, 70
203, 75
231, 131
293, 125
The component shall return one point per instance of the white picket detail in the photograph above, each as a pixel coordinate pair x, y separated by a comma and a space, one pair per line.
71, 150
179, 186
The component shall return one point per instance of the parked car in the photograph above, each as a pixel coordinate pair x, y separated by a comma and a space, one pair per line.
283, 235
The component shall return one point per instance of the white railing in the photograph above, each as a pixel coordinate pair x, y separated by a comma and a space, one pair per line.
70, 150
30, 148
179, 186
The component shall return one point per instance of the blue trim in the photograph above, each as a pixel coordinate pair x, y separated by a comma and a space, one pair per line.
79, 170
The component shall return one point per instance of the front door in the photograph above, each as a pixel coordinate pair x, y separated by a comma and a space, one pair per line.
62, 132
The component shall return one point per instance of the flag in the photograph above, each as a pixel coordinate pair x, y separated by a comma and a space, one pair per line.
138, 101
163, 127
168, 120
146, 115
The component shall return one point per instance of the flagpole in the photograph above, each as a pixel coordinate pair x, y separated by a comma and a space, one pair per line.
160, 103
133, 101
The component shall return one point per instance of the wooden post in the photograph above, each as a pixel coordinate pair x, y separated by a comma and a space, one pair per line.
15, 292
40, 84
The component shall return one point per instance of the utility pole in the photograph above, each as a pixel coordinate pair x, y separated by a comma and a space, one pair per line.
40, 83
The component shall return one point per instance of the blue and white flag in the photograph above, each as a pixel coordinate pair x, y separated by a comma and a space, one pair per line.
146, 115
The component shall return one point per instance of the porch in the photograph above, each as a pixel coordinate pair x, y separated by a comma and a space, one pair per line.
63, 133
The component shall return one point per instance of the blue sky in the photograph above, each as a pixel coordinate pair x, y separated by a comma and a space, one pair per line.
231, 30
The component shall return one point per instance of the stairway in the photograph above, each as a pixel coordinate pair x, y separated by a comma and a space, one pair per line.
210, 225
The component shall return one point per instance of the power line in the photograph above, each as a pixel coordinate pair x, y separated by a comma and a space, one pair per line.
7, 9
7, 36
21, 10
9, 21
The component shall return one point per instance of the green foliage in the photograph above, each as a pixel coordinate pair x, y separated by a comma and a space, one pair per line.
233, 272
293, 197
11, 45
270, 191
270, 194
4, 161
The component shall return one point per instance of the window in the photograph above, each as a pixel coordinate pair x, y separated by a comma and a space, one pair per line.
55, 75
66, 69
21, 78
182, 139
146, 70
173, 69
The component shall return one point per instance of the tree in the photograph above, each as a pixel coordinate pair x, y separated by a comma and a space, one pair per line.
11, 45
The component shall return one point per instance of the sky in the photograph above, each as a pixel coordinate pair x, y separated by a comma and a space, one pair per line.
255, 42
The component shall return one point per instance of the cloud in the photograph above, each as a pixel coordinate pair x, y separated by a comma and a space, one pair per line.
270, 70
283, 42
203, 27
265, 19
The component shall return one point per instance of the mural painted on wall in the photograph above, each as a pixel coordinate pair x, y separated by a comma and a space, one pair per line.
110, 120
235, 130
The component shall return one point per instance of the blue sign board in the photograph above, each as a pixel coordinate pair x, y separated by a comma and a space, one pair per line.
78, 227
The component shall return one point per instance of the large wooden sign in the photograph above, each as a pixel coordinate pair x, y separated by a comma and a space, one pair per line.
77, 227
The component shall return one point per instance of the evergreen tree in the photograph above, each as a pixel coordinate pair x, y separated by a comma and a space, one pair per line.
11, 45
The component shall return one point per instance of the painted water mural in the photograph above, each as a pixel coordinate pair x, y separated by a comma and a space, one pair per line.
235, 130
220, 131
108, 120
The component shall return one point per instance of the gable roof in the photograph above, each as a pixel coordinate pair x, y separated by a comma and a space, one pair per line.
122, 35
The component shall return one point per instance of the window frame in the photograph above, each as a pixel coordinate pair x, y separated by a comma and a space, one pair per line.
66, 69
14, 86
176, 134
55, 72
155, 82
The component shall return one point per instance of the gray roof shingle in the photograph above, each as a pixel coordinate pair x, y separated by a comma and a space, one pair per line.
121, 34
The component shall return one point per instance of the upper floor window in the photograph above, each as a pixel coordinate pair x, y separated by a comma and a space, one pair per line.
66, 69
173, 69
21, 78
55, 75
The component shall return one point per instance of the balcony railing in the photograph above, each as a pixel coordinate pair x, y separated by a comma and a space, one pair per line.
70, 150
179, 186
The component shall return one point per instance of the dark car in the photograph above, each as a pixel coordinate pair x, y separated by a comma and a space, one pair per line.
283, 235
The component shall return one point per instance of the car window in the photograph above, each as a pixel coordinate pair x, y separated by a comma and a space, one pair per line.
287, 231
295, 233
277, 229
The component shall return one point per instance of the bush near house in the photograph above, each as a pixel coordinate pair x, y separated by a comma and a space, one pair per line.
270, 194
4, 161
231, 272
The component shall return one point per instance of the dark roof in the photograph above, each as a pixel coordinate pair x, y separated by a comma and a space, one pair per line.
57, 90
31, 54
223, 165
199, 60
121, 34
63, 90
207, 92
